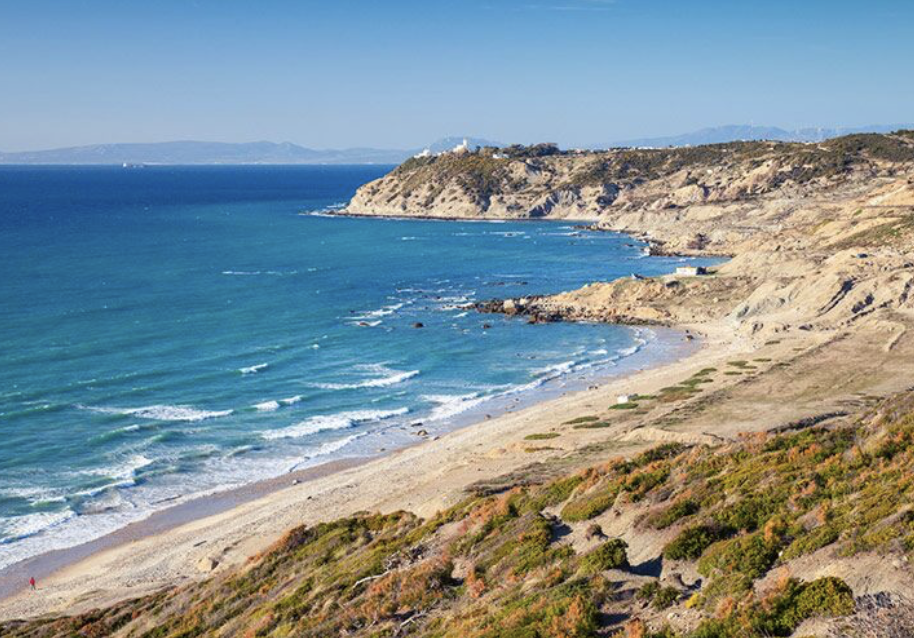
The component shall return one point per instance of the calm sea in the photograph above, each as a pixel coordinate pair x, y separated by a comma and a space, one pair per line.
167, 332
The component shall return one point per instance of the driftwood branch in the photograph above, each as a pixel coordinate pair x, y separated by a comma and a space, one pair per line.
368, 578
409, 620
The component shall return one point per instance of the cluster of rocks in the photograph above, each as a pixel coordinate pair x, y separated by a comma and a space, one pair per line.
524, 306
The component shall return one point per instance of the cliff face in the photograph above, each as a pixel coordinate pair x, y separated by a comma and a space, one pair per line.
702, 199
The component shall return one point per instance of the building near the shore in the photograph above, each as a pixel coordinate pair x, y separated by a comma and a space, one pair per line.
691, 271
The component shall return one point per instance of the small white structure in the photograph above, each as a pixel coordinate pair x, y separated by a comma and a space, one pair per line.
425, 153
691, 271
463, 147
623, 398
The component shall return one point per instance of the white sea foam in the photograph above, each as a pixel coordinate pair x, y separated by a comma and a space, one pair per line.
254, 368
32, 493
161, 412
375, 314
124, 470
555, 369
456, 302
327, 211
388, 377
19, 527
449, 405
323, 450
332, 446
325, 422
366, 324
272, 405
543, 375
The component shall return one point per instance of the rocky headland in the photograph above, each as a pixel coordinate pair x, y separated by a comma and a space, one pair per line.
819, 234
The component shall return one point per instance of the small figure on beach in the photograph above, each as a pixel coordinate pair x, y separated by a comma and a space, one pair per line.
32, 582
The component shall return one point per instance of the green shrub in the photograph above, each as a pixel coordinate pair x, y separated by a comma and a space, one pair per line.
811, 541
750, 555
648, 590
610, 555
541, 436
591, 504
749, 513
659, 453
691, 542
665, 597
595, 425
674, 513
559, 491
827, 597
638, 485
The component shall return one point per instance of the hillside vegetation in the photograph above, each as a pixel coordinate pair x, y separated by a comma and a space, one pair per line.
725, 527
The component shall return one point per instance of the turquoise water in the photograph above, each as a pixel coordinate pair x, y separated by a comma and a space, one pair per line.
168, 332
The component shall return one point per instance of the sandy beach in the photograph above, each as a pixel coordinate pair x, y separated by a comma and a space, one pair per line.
215, 533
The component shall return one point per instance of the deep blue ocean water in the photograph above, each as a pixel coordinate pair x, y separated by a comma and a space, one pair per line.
170, 331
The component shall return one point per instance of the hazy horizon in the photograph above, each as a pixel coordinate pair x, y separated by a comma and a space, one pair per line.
401, 74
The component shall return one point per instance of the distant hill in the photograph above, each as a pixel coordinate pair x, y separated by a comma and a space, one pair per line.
744, 132
195, 152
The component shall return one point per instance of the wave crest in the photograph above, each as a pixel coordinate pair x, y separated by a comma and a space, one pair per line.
325, 422
161, 412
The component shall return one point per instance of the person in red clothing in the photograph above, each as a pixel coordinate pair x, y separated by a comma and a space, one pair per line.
32, 582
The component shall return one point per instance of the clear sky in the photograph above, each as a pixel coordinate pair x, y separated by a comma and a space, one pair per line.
400, 73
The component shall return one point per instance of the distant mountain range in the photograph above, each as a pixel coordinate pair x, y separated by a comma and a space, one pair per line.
193, 152
743, 132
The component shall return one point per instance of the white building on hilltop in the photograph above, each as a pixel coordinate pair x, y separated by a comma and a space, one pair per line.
463, 147
425, 153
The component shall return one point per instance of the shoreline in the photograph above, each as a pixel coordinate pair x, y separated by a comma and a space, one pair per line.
62, 571
160, 521
672, 348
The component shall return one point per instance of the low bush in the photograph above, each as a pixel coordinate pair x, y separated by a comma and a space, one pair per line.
665, 597
674, 513
610, 555
541, 436
692, 542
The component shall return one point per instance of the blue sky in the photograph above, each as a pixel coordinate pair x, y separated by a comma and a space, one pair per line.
400, 73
